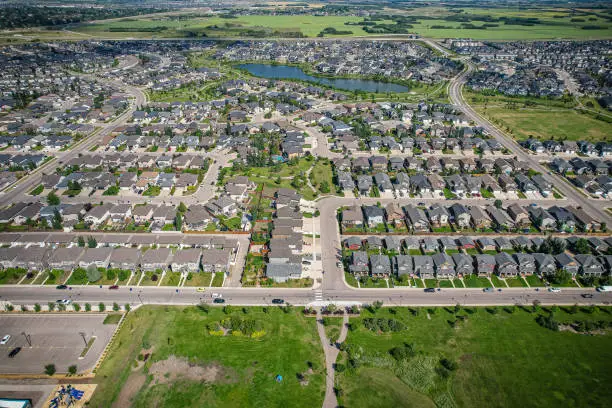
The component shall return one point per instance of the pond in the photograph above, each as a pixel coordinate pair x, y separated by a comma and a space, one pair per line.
289, 72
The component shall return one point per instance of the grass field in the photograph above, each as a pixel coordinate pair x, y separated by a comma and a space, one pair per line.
235, 370
496, 353
553, 24
540, 118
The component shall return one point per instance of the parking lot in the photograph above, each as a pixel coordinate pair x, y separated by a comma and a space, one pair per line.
55, 339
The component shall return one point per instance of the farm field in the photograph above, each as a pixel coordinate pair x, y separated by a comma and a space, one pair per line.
189, 360
491, 353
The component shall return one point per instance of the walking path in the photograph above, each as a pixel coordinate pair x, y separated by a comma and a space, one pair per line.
331, 354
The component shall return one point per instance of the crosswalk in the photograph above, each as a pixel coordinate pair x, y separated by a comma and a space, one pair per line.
318, 295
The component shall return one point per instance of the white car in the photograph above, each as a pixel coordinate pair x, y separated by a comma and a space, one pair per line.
217, 295
64, 301
554, 290
5, 339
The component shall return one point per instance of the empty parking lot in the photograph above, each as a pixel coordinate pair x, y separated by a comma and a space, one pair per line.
55, 339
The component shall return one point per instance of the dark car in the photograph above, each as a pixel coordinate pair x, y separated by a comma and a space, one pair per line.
278, 301
488, 290
14, 352
587, 295
61, 287
430, 290
219, 300
114, 287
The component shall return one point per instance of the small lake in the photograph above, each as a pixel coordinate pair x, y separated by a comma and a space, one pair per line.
289, 72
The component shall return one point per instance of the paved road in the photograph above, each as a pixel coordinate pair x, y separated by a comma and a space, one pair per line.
26, 184
263, 296
455, 93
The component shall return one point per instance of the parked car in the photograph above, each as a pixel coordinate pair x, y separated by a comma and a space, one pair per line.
488, 290
554, 290
219, 300
5, 339
61, 287
114, 287
339, 264
14, 352
63, 301
587, 295
430, 290
200, 290
278, 301
217, 295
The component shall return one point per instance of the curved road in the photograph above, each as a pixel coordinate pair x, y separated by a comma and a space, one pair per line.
456, 96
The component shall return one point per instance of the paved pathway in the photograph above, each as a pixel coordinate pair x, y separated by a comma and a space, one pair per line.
331, 354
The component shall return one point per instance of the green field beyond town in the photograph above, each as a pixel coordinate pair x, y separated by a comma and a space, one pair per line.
399, 357
434, 22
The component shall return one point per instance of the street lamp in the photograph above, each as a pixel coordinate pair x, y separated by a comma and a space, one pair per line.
84, 339
28, 338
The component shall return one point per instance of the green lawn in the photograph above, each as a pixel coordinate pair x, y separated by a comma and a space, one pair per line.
373, 283
534, 281
332, 327
474, 281
494, 354
239, 371
445, 283
350, 279
11, 275
431, 283
540, 118
498, 283
171, 279
201, 279
218, 279
517, 282
458, 283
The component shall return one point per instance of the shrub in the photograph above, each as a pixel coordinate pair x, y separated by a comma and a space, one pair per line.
548, 322
127, 307
154, 278
50, 369
383, 325
340, 367
116, 307
402, 352
87, 307
123, 275
450, 365
76, 307
101, 307
111, 275
189, 276
9, 308
24, 308
37, 307
72, 369
93, 274
51, 306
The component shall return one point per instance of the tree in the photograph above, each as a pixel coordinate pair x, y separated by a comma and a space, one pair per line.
53, 199
91, 242
87, 307
101, 307
582, 246
127, 307
178, 221
81, 242
93, 274
116, 307
57, 220
324, 187
497, 204
37, 307
561, 277
72, 369
50, 369
182, 208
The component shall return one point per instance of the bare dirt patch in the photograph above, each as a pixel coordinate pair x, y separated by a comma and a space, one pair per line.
167, 371
131, 387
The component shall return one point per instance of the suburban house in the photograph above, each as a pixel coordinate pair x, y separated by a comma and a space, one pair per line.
380, 265
505, 265
374, 215
444, 265
402, 265
423, 266
186, 260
